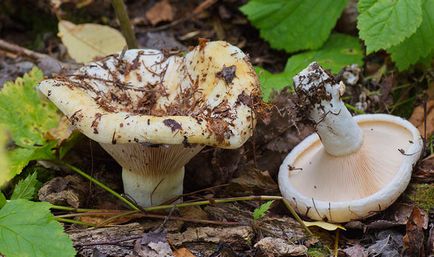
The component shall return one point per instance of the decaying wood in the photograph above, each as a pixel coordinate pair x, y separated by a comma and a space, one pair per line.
271, 246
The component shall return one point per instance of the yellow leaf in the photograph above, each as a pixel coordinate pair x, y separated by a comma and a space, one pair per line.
88, 41
323, 225
3, 158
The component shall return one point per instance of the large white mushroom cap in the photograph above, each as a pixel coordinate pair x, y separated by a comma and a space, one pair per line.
153, 111
149, 96
353, 167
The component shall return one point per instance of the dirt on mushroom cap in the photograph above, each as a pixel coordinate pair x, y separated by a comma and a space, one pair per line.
214, 81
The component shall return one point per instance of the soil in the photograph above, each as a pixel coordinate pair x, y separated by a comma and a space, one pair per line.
406, 228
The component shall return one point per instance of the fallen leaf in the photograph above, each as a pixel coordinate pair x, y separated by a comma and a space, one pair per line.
253, 182
425, 170
238, 236
388, 244
418, 118
271, 246
414, 237
356, 251
62, 132
324, 225
193, 212
153, 244
161, 11
183, 252
87, 41
69, 190
430, 244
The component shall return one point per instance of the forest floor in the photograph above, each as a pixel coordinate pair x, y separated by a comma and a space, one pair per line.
227, 229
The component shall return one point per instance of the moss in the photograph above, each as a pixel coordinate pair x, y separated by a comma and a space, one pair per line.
318, 250
423, 196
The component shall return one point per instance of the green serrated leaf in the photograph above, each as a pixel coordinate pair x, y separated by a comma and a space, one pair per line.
20, 157
294, 25
262, 210
2, 200
23, 113
364, 5
339, 51
26, 188
29, 229
270, 81
387, 23
27, 118
419, 45
4, 170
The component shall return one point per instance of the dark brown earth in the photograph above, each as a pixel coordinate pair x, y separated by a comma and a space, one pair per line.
227, 229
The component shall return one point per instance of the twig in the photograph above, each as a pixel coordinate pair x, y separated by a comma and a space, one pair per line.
124, 21
35, 56
146, 215
10, 47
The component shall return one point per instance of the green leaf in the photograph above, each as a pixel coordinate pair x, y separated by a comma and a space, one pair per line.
29, 229
262, 210
420, 44
270, 81
26, 189
27, 118
20, 157
2, 200
4, 170
364, 5
294, 25
339, 51
386, 23
23, 113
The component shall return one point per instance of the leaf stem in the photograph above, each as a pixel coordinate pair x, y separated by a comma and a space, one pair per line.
124, 21
213, 201
98, 183
74, 222
292, 211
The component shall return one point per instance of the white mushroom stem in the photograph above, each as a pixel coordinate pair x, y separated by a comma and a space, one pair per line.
152, 174
337, 129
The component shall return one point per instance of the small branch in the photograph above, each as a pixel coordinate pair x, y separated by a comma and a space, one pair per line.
10, 47
35, 56
124, 21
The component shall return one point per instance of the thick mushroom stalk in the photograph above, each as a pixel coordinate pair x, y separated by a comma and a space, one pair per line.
153, 110
353, 167
339, 133
152, 175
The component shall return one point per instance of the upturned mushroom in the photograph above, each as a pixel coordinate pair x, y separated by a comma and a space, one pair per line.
353, 167
153, 111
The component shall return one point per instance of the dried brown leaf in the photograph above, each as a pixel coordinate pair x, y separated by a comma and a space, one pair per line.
418, 118
183, 252
161, 11
414, 237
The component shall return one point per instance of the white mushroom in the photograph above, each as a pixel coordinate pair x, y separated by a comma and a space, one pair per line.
153, 111
353, 167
